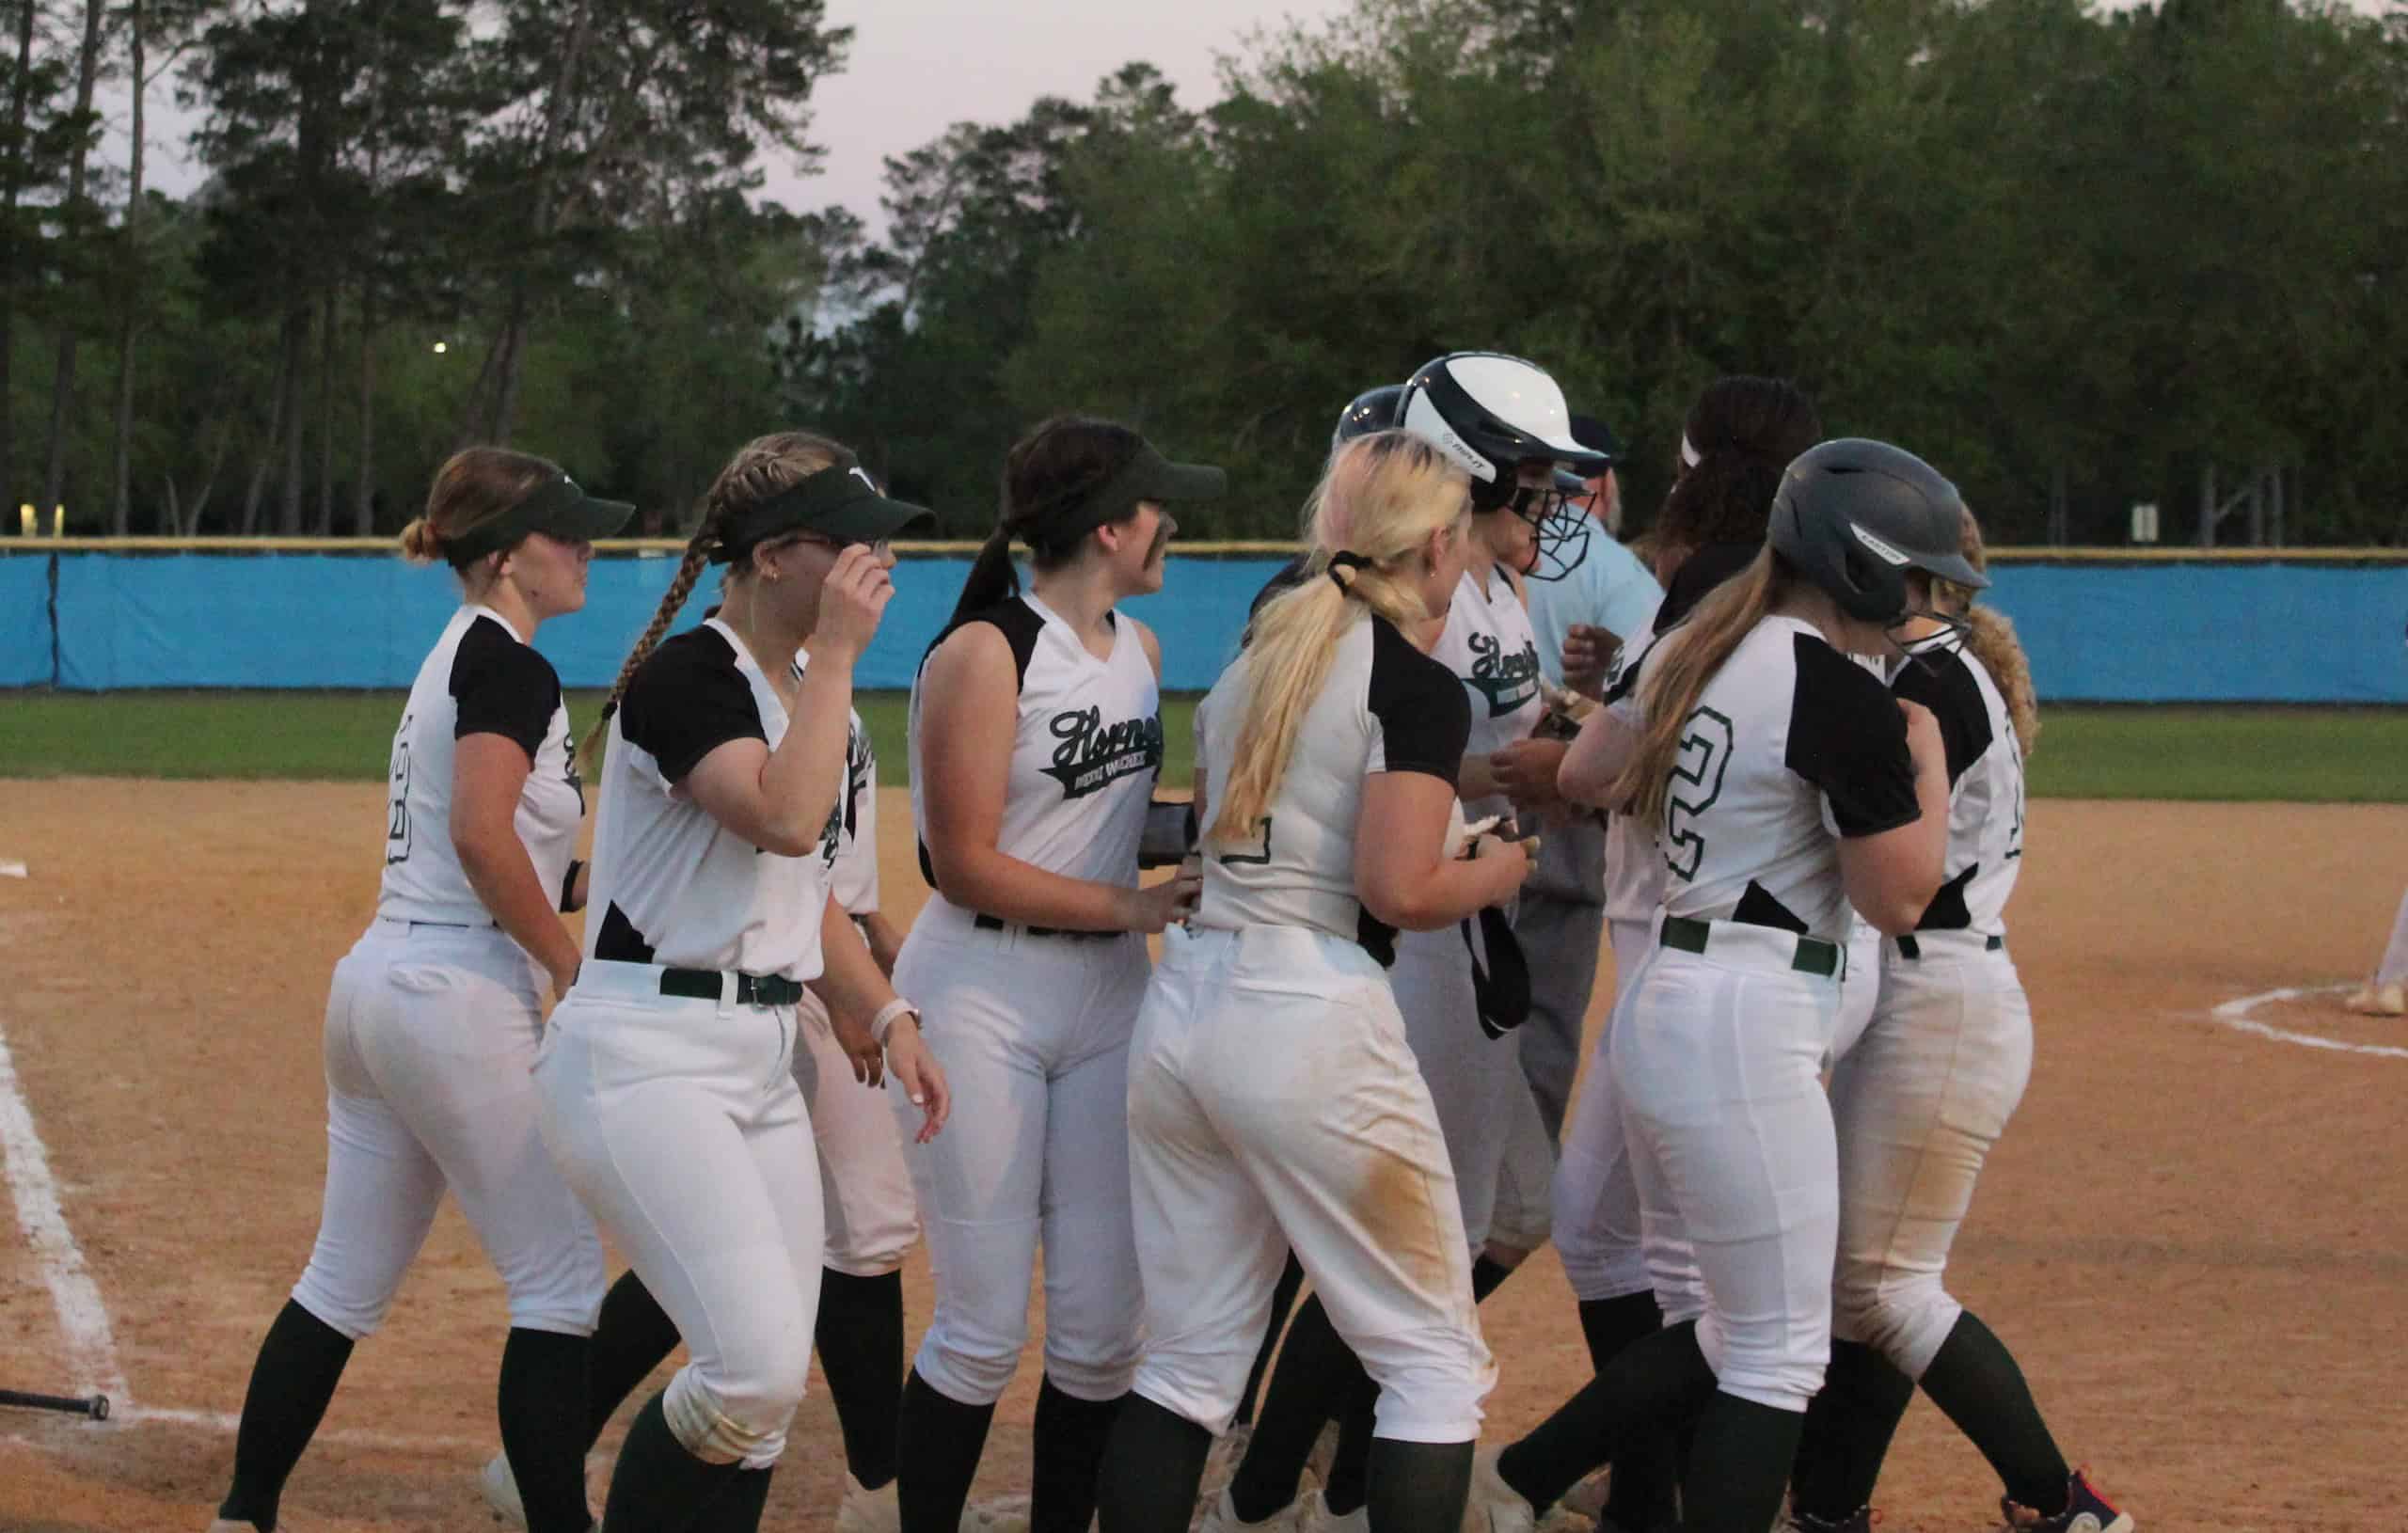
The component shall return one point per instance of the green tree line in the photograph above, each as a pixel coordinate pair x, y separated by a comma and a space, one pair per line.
2080, 259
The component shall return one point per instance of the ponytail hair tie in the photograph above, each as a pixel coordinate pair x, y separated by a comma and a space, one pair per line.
1345, 560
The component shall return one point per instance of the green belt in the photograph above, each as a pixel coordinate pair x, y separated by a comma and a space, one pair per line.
1814, 954
1910, 948
750, 989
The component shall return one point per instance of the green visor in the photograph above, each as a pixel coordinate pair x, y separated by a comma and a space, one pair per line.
1150, 476
841, 503
559, 508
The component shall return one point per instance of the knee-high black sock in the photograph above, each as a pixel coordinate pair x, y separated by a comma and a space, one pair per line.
658, 1487
1065, 1448
937, 1442
1608, 1325
1847, 1433
1283, 1298
1738, 1467
860, 1337
545, 1387
1350, 1472
1153, 1464
739, 1507
1317, 1376
1658, 1381
300, 1362
1418, 1487
632, 1336
1973, 1379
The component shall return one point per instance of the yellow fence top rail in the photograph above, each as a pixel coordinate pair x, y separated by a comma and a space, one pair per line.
1239, 548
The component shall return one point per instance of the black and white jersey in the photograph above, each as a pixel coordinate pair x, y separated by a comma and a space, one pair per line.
1387, 707
481, 678
853, 879
1086, 750
1790, 745
670, 884
1489, 644
1984, 789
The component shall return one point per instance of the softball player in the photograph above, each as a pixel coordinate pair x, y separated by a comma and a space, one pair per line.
665, 1082
1504, 423
1274, 1100
1035, 741
1786, 785
1630, 1267
1919, 1102
866, 1190
435, 1012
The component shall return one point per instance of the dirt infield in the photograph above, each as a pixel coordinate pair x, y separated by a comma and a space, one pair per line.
2195, 1235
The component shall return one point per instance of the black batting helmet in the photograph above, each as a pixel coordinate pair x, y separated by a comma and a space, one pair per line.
1374, 409
1853, 516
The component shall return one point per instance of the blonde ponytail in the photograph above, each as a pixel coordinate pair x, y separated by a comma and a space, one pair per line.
1380, 500
1693, 653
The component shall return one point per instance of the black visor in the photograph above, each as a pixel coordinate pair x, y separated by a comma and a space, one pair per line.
1148, 477
840, 502
557, 508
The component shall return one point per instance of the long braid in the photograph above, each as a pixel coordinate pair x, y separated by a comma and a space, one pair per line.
673, 601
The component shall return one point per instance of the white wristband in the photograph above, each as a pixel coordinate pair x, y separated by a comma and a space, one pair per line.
884, 1023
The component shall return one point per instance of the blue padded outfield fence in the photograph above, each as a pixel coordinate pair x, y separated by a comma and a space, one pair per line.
2104, 626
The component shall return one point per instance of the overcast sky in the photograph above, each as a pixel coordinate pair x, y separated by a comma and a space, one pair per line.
919, 66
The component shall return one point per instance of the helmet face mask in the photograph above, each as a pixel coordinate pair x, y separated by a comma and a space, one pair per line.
1561, 528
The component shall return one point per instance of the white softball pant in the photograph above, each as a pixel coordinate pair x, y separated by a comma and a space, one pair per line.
1859, 987
1033, 1034
2394, 968
1612, 1242
1919, 1102
1719, 1061
865, 1186
1476, 1084
1274, 1103
429, 1034
679, 1124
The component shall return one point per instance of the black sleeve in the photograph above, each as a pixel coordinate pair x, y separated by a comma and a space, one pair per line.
1424, 714
501, 686
1942, 684
1289, 575
1626, 673
1848, 737
686, 701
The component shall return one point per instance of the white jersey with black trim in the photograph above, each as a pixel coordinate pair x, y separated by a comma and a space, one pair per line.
1985, 788
854, 878
1087, 749
671, 885
481, 678
1790, 746
1489, 644
1386, 707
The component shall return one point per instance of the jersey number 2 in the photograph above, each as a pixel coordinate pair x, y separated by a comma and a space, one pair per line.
1696, 784
1259, 859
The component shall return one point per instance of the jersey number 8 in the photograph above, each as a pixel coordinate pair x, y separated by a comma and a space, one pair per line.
1706, 755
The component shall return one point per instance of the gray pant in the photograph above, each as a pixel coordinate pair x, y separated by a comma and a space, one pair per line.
1561, 923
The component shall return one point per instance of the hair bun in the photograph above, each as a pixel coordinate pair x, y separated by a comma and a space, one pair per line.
420, 543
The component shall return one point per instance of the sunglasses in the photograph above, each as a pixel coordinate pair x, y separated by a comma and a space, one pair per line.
877, 545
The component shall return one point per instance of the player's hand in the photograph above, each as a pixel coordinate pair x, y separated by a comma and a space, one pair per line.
852, 1036
1589, 656
851, 601
1923, 745
921, 1077
1151, 908
1510, 863
1526, 770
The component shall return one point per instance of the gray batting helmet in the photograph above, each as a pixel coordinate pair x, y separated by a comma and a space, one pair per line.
1853, 516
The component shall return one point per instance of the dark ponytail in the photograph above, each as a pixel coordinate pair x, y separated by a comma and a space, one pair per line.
1048, 477
1744, 432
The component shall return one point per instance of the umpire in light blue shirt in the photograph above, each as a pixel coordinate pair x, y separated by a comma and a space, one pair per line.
1610, 596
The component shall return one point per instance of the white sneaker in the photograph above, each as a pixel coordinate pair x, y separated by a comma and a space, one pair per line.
501, 1490
1005, 1515
1495, 1506
2379, 1000
873, 1512
1318, 1518
1221, 1516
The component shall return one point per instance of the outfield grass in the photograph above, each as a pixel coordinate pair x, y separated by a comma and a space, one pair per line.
2298, 754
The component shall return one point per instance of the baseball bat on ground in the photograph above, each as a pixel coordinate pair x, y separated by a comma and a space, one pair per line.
95, 1406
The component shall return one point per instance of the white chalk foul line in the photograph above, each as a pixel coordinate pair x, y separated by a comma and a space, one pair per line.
83, 1320
2236, 1015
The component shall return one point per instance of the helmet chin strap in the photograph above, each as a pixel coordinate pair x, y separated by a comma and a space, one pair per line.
1955, 632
